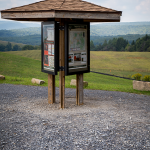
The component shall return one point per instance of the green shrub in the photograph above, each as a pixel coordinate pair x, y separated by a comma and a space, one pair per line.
146, 78
137, 76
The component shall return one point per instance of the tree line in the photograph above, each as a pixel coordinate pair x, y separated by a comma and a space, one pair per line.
10, 47
121, 44
29, 39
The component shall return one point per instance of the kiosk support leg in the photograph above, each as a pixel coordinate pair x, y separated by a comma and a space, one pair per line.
62, 65
51, 89
62, 89
79, 89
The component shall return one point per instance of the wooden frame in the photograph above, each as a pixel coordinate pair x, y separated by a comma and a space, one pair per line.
77, 70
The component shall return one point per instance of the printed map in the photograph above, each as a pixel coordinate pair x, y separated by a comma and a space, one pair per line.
77, 40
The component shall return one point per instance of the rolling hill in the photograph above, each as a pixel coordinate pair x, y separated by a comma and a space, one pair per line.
8, 25
98, 32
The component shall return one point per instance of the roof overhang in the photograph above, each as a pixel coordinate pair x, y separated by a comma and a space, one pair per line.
90, 16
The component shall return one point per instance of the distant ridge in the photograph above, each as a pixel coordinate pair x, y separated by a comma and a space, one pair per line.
9, 25
30, 33
120, 28
100, 29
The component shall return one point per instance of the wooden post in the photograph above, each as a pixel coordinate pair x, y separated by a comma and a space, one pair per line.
62, 65
79, 89
51, 89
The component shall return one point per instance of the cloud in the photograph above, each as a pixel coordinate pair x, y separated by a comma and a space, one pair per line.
7, 4
144, 6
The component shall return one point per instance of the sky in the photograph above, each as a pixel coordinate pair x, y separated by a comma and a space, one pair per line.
133, 10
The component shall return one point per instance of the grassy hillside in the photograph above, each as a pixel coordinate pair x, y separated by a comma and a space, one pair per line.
118, 63
121, 63
29, 39
34, 54
20, 70
12, 43
20, 32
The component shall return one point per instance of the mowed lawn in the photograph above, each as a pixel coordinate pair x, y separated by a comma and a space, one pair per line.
121, 63
118, 63
20, 67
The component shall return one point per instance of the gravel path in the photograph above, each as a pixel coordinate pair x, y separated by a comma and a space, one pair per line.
107, 120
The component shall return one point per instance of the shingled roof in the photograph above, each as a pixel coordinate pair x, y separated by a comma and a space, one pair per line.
66, 5
60, 6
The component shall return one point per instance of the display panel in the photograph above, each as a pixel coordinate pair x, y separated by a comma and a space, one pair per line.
49, 47
77, 48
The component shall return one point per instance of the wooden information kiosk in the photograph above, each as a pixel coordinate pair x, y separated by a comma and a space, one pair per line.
65, 38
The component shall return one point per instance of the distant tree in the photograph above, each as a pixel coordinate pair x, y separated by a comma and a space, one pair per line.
148, 50
146, 37
132, 48
98, 47
16, 48
147, 45
133, 42
105, 43
143, 43
127, 47
121, 43
9, 47
122, 49
28, 47
37, 47
2, 47
92, 46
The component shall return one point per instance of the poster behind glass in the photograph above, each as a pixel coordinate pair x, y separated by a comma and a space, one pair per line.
48, 43
77, 57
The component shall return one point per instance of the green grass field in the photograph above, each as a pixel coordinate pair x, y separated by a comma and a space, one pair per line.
123, 64
33, 54
20, 70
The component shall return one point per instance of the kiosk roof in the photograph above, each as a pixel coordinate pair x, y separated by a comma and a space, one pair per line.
59, 9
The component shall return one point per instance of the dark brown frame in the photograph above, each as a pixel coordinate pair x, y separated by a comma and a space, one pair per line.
79, 71
56, 47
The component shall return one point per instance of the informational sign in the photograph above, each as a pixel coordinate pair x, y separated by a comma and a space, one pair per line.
50, 34
77, 48
49, 47
77, 40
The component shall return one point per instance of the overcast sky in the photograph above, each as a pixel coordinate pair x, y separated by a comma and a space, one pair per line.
133, 10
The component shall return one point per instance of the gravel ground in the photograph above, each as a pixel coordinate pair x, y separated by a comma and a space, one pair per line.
107, 120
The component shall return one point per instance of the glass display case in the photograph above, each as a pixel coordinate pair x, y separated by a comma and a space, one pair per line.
77, 48
50, 36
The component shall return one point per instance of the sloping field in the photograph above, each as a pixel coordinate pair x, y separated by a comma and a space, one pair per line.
118, 63
20, 70
121, 63
34, 54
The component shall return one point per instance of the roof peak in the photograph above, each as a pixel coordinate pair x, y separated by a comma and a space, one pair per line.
61, 5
